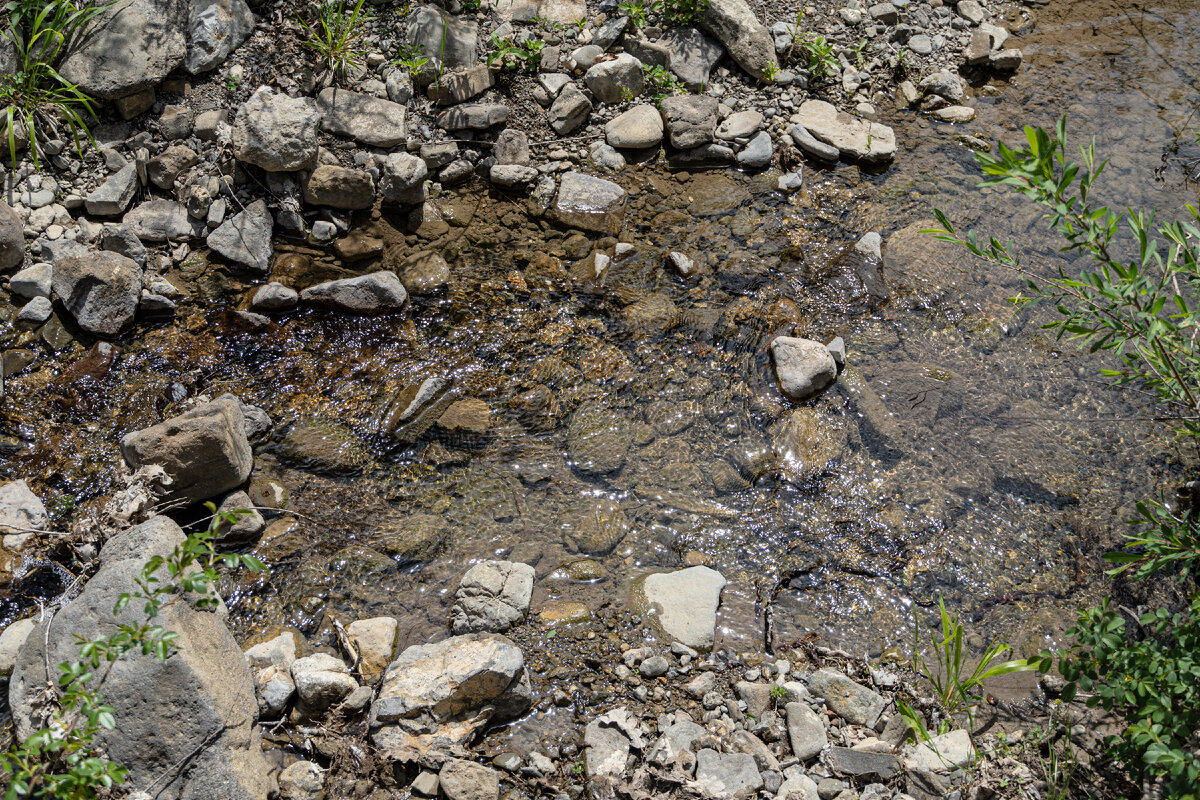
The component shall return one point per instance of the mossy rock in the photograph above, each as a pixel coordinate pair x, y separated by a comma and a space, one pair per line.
324, 447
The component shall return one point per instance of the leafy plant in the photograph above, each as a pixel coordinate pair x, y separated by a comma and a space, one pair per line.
635, 10
1167, 539
681, 12
859, 51
900, 64
663, 80
231, 84
62, 760
769, 72
512, 55
470, 5
958, 689
336, 36
1142, 310
411, 58
818, 56
37, 97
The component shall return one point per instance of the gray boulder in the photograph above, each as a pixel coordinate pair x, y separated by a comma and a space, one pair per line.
131, 46
806, 731
512, 175
465, 780
100, 289
245, 238
403, 179
590, 203
747, 40
204, 451
690, 120
114, 195
434, 697
275, 297
492, 597
12, 237
473, 117
366, 119
339, 187
215, 30
757, 153
802, 366
637, 128
684, 604
616, 80
203, 694
248, 527
33, 281
161, 220
569, 110
511, 148
692, 55
375, 293
727, 776
276, 132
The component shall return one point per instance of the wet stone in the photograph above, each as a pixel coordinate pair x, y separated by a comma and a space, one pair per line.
862, 765
590, 203
685, 604
599, 530
598, 439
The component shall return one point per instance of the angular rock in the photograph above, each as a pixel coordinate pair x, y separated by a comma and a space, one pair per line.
216, 28
1007, 60
569, 110
684, 604
589, 203
130, 47
616, 80
114, 195
161, 220
322, 681
861, 764
12, 238
375, 639
851, 701
690, 120
942, 753
274, 688
512, 147
439, 35
637, 128
163, 709
432, 696
458, 87
35, 313
799, 786
680, 735
465, 780
802, 366
855, 138
245, 238
101, 290
475, 117
303, 780
943, 84
366, 119
248, 527
204, 451
31, 282
339, 187
492, 597
376, 293
727, 776
424, 273
165, 167
747, 40
806, 731
275, 132
692, 55
403, 179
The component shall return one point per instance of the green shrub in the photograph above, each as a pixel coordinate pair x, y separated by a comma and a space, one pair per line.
512, 55
662, 80
37, 97
62, 760
336, 36
681, 12
818, 56
635, 10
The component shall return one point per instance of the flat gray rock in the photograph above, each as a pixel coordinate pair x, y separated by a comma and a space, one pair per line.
806, 731
851, 701
692, 54
366, 119
637, 128
160, 220
757, 153
245, 238
684, 604
474, 117
375, 293
131, 46
215, 29
114, 195
728, 776
855, 138
275, 132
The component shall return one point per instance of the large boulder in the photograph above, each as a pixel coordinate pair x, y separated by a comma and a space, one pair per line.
276, 132
434, 697
162, 220
12, 238
492, 597
100, 289
639, 127
186, 725
130, 47
215, 29
590, 203
204, 451
569, 110
747, 40
375, 293
370, 120
245, 238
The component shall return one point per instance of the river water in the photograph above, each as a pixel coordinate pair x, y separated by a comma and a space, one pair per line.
1002, 480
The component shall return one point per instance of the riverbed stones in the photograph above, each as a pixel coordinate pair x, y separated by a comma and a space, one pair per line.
805, 442
740, 125
245, 238
609, 739
112, 197
33, 281
366, 119
100, 289
683, 604
274, 296
375, 640
492, 597
803, 367
862, 764
599, 530
690, 120
204, 451
615, 80
569, 110
248, 527
637, 128
590, 203
806, 731
855, 138
376, 293
851, 701
339, 187
941, 753
163, 709
322, 681
749, 43
473, 117
432, 695
598, 439
727, 776
403, 179
130, 47
424, 273
691, 54
953, 114
276, 132
513, 175
12, 238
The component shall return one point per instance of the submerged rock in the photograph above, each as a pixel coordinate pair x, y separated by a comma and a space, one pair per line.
805, 443
324, 447
20, 508
598, 439
599, 530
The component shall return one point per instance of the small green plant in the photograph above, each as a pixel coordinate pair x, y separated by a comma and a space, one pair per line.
662, 79
579, 767
38, 99
626, 94
681, 12
818, 56
769, 73
542, 23
411, 58
900, 64
336, 36
470, 5
581, 23
957, 688
859, 51
62, 760
635, 10
778, 694
231, 84
513, 56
